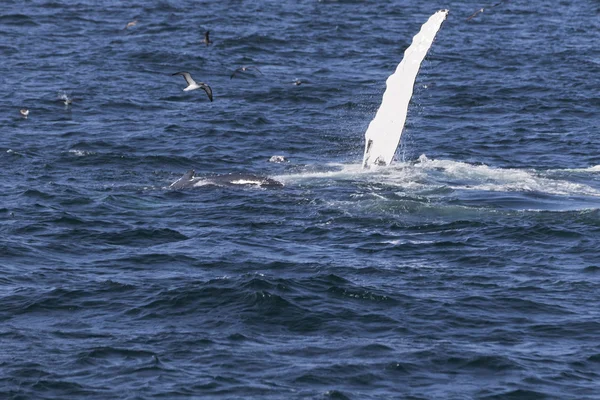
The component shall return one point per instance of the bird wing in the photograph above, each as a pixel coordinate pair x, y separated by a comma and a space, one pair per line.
474, 14
497, 4
235, 72
187, 77
208, 90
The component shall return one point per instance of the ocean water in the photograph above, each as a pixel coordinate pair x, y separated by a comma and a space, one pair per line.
468, 269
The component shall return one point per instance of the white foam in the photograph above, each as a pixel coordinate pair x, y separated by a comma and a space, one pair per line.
482, 177
80, 153
431, 174
595, 168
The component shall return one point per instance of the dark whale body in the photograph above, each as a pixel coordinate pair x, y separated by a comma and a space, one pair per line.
189, 180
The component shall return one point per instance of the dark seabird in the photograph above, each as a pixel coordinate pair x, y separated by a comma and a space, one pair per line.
244, 69
192, 85
206, 38
482, 9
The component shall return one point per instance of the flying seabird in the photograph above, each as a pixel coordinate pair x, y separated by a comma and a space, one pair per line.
24, 112
130, 24
193, 85
244, 69
206, 38
482, 9
475, 14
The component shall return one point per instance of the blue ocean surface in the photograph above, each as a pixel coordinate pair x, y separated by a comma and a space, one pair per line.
467, 269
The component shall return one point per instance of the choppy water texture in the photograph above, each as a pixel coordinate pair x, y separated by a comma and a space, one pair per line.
468, 269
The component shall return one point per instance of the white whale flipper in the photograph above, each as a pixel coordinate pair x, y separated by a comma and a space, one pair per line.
383, 134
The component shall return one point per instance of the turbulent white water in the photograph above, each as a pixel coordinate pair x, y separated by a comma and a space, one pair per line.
383, 134
427, 176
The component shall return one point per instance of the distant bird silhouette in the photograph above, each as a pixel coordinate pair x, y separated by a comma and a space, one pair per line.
244, 69
192, 85
482, 9
206, 38
474, 14
130, 24
24, 112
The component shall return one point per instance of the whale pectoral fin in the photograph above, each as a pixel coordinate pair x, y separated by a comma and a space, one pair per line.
385, 129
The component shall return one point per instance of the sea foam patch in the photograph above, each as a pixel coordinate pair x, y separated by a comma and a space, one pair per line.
439, 178
465, 176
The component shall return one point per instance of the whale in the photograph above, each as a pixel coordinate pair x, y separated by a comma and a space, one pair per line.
190, 180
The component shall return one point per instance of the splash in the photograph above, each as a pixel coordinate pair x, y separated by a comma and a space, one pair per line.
463, 176
426, 177
65, 98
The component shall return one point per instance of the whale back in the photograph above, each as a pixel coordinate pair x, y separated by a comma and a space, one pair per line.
185, 181
189, 179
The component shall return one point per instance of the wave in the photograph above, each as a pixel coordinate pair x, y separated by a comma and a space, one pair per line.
18, 20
